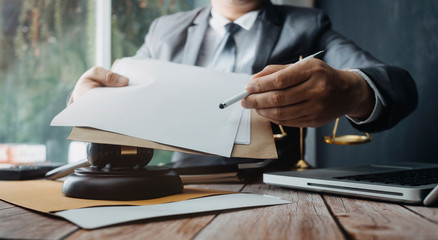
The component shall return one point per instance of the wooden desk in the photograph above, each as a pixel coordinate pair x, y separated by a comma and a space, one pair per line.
309, 216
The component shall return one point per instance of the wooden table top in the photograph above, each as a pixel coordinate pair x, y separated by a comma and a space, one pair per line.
309, 216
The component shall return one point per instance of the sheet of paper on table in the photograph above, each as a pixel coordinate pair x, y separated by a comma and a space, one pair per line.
166, 103
96, 217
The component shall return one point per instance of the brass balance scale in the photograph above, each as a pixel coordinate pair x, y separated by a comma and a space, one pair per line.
338, 140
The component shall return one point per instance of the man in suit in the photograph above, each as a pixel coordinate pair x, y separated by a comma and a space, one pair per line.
374, 96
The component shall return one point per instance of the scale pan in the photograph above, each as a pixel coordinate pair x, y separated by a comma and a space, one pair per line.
347, 139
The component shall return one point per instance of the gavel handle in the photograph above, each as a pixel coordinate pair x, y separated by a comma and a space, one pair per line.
65, 170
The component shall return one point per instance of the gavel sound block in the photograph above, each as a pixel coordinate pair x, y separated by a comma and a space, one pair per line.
120, 173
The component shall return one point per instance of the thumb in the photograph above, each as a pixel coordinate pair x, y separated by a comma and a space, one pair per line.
105, 77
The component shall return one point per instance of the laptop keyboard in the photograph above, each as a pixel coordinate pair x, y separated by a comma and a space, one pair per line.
414, 177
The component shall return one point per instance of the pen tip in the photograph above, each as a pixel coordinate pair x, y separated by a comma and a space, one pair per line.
221, 106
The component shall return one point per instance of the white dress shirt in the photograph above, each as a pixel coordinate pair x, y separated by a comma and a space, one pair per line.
244, 38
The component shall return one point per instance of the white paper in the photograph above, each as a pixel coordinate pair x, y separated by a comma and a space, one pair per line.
244, 131
95, 217
165, 102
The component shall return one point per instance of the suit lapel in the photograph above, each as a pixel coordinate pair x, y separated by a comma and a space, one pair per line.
195, 36
267, 37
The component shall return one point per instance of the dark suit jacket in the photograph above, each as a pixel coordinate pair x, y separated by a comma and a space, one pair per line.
288, 32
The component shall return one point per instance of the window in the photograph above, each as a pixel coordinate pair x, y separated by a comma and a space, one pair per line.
47, 44
130, 22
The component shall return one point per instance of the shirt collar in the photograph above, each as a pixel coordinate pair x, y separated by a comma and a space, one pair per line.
217, 22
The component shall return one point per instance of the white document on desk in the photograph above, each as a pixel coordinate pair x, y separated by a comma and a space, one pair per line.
168, 103
244, 131
95, 217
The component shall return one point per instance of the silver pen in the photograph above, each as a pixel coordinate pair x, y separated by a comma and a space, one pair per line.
67, 169
244, 94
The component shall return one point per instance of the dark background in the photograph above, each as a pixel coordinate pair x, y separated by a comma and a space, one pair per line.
402, 33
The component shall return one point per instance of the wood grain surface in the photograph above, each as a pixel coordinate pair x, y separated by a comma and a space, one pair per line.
309, 216
19, 223
305, 218
363, 219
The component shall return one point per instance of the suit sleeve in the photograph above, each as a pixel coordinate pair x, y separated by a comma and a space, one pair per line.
396, 86
145, 50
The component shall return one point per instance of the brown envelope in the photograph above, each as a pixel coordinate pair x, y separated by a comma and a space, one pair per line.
262, 142
46, 196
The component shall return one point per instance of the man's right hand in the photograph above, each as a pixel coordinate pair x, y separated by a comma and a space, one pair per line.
97, 77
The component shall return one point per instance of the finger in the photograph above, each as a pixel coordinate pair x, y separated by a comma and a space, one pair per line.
268, 70
277, 98
306, 113
280, 79
105, 77
285, 113
97, 77
302, 122
305, 121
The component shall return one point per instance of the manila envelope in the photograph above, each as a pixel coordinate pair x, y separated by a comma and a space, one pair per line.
46, 196
262, 144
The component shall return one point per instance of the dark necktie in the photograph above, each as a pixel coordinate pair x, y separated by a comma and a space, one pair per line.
225, 56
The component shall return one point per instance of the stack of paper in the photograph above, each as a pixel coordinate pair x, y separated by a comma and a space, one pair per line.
167, 103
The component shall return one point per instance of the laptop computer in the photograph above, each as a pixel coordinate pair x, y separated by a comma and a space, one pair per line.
399, 182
